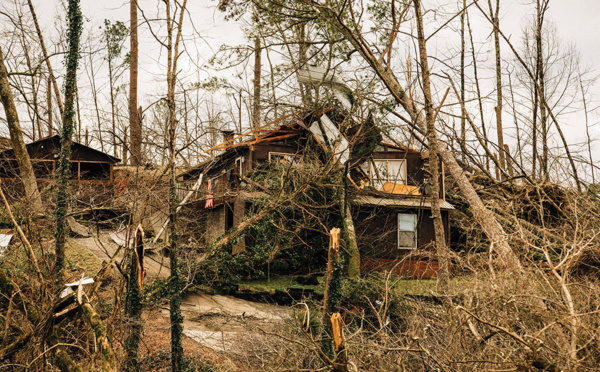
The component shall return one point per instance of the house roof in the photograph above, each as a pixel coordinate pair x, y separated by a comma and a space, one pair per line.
49, 148
421, 202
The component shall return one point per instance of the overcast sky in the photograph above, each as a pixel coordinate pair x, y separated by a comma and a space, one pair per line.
576, 22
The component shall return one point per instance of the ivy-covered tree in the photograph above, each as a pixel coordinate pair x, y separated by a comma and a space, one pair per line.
75, 22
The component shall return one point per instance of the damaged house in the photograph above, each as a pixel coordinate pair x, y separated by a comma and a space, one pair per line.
388, 187
92, 171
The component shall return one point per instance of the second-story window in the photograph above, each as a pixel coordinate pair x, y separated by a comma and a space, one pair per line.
238, 166
282, 156
384, 170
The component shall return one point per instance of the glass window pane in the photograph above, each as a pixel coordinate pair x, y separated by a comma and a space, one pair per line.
381, 172
406, 239
396, 170
407, 222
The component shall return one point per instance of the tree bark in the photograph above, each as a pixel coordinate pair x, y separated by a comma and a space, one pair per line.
176, 282
257, 71
350, 235
436, 213
133, 302
135, 124
32, 193
498, 109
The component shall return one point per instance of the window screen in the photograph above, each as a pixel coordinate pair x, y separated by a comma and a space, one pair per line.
407, 231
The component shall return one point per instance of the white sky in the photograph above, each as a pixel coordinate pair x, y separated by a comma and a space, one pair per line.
576, 22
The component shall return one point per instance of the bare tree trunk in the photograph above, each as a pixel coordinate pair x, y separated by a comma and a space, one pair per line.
95, 97
75, 21
436, 213
349, 232
78, 119
486, 220
534, 127
46, 58
49, 93
112, 108
541, 90
32, 193
175, 279
587, 129
135, 124
257, 72
303, 60
463, 129
479, 100
495, 15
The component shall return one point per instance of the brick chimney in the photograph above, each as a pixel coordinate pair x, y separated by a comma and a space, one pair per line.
227, 137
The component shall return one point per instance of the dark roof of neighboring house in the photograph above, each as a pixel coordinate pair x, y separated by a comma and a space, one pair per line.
49, 148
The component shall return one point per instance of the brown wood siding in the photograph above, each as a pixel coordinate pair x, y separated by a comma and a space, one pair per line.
261, 152
377, 231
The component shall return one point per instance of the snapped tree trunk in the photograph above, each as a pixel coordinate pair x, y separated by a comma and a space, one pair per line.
133, 301
32, 193
331, 301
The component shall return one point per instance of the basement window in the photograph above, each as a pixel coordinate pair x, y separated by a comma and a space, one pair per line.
407, 231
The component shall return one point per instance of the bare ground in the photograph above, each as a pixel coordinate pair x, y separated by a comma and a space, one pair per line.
213, 321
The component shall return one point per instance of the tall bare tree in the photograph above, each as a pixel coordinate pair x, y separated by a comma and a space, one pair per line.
430, 117
46, 58
174, 18
495, 16
135, 124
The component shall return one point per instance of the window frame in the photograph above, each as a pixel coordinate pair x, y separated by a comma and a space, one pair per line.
375, 176
414, 230
239, 168
281, 156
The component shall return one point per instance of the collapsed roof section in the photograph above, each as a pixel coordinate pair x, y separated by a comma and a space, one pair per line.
353, 142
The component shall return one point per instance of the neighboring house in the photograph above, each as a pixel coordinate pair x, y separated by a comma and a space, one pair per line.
389, 202
92, 171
